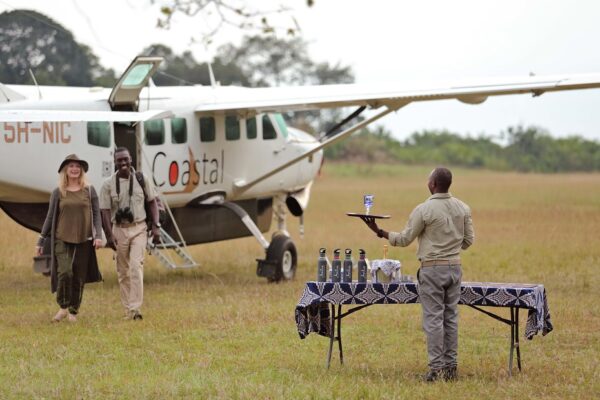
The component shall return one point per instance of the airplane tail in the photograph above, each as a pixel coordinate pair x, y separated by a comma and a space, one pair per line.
7, 95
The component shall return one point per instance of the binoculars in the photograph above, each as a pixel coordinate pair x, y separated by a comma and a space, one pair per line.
124, 215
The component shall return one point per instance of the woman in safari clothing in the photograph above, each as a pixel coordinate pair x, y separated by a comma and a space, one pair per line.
74, 228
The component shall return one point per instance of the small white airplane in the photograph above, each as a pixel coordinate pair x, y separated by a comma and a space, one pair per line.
222, 158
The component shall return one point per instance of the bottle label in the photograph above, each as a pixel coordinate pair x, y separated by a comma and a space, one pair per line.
348, 271
322, 271
336, 271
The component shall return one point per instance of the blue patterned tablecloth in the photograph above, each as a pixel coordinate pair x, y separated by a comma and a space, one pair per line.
313, 315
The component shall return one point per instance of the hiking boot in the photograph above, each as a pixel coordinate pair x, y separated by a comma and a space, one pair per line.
60, 315
433, 375
450, 374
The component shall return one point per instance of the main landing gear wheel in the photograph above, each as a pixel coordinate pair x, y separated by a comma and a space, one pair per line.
282, 253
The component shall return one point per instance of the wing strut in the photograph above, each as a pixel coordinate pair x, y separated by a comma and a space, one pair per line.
337, 126
245, 218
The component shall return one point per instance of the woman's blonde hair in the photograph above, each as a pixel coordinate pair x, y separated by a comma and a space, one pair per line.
63, 179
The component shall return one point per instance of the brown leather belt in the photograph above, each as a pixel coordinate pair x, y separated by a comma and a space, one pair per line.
434, 263
130, 225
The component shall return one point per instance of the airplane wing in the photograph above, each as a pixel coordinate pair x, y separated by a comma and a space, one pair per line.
80, 116
393, 97
278, 99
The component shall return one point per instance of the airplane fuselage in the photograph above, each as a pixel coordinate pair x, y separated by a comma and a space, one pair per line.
190, 156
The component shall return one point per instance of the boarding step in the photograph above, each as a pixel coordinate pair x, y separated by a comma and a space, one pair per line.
171, 254
173, 245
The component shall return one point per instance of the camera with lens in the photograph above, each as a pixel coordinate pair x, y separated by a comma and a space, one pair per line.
124, 215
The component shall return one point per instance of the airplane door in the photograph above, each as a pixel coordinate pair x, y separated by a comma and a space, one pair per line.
126, 135
125, 97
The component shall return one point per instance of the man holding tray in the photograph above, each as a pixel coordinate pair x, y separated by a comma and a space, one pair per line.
443, 227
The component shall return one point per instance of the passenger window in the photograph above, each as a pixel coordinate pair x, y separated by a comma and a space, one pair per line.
268, 128
251, 128
178, 130
155, 132
207, 129
98, 133
232, 128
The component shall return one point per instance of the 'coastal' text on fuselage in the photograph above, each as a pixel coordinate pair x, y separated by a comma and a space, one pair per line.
194, 170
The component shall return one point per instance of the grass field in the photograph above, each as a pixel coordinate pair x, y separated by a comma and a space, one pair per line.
221, 332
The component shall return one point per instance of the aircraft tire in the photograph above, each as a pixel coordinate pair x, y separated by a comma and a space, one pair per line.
283, 252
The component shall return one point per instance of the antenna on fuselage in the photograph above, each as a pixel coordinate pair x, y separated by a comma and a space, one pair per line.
213, 82
35, 82
150, 85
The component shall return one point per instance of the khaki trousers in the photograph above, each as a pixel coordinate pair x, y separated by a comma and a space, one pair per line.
439, 293
131, 244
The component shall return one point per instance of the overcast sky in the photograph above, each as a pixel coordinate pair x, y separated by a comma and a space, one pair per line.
396, 41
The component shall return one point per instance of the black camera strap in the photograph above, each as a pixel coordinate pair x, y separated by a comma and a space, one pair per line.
118, 187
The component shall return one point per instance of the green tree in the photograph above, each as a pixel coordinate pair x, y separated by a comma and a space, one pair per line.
533, 149
368, 145
450, 148
185, 70
33, 41
269, 61
529, 149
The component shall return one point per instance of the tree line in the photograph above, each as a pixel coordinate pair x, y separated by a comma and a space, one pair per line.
33, 42
527, 149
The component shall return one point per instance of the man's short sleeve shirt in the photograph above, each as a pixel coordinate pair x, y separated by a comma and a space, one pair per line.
110, 200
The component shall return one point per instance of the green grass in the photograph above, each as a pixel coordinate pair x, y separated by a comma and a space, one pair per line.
221, 332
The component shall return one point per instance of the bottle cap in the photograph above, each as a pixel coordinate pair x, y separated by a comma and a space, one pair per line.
348, 252
362, 253
336, 253
322, 251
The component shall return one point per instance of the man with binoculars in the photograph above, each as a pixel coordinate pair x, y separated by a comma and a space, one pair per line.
122, 205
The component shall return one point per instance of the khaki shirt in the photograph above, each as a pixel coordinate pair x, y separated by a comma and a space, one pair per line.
110, 201
443, 225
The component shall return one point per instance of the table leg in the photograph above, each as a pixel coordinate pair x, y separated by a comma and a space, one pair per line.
514, 333
338, 336
332, 337
517, 338
339, 331
512, 340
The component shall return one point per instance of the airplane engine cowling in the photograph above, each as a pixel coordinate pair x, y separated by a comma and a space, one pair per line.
298, 201
472, 99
